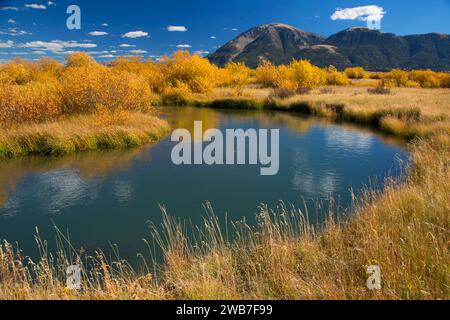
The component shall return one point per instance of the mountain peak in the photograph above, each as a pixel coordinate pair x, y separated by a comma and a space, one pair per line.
276, 42
374, 50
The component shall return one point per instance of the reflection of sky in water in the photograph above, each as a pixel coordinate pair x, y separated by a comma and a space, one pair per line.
122, 191
348, 141
53, 191
329, 161
103, 197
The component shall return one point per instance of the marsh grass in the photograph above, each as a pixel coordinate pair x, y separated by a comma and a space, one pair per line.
101, 130
406, 112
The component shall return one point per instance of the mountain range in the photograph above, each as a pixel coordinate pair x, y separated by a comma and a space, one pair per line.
372, 49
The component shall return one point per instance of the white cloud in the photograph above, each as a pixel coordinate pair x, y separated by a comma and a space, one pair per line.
135, 34
213, 37
177, 28
15, 32
201, 52
107, 56
105, 25
35, 6
98, 33
366, 13
126, 45
9, 9
184, 46
11, 21
138, 51
7, 44
56, 46
51, 3
234, 29
98, 52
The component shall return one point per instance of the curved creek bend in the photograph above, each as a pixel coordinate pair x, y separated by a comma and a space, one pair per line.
109, 197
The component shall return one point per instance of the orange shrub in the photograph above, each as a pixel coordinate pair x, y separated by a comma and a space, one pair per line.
32, 102
426, 78
336, 78
235, 75
300, 74
399, 77
444, 79
266, 74
194, 71
17, 72
80, 59
86, 86
285, 79
153, 73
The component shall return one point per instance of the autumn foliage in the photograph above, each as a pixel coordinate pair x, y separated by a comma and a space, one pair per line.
47, 89
355, 73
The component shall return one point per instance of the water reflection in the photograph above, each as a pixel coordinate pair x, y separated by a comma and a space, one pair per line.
108, 196
65, 172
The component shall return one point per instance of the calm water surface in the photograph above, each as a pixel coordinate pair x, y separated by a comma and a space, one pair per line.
108, 197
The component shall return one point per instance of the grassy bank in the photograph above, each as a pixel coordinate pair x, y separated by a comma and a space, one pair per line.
69, 134
404, 112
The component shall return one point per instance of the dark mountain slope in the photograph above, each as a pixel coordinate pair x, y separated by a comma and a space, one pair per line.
274, 42
372, 49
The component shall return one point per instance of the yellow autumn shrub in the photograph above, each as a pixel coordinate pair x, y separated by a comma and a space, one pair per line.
194, 71
355, 73
17, 72
31, 102
336, 78
156, 75
153, 73
80, 59
285, 78
83, 86
178, 94
266, 74
445, 80
300, 74
400, 77
235, 75
426, 78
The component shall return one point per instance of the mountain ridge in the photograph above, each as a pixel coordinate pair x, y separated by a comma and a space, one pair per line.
356, 46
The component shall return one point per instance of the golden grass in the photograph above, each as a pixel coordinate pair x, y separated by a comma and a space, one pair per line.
101, 130
405, 112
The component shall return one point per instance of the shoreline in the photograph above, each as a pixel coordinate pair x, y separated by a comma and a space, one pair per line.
78, 133
406, 122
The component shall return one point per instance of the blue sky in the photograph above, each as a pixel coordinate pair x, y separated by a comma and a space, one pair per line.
34, 28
